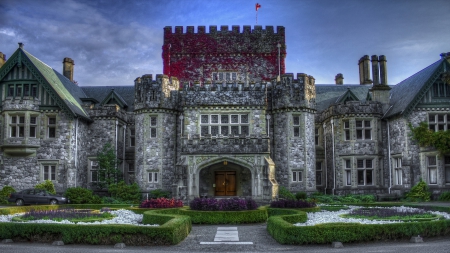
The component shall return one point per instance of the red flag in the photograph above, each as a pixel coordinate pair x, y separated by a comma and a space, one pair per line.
257, 6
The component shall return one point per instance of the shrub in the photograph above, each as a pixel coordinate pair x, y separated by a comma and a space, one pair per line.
284, 203
284, 193
445, 196
79, 195
46, 185
161, 203
301, 195
4, 194
419, 192
232, 204
129, 194
159, 193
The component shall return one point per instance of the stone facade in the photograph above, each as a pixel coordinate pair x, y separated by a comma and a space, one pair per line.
224, 120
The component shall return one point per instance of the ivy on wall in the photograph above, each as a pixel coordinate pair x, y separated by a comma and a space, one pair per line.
425, 137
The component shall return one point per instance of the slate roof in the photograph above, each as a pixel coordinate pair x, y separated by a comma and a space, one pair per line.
100, 93
69, 92
405, 93
329, 94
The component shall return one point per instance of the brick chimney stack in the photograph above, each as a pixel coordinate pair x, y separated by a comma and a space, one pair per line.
375, 70
364, 70
2, 59
383, 70
68, 64
339, 79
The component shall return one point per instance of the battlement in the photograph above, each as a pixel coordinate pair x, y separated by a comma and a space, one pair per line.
257, 29
160, 79
302, 79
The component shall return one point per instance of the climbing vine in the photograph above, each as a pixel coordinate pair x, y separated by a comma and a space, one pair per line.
425, 137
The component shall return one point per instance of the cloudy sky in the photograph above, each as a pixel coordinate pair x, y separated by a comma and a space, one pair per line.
113, 42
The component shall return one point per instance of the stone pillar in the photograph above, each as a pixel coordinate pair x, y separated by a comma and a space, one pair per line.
383, 70
375, 70
2, 59
339, 79
361, 70
68, 64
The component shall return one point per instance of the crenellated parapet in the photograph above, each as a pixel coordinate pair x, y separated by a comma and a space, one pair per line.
108, 111
200, 55
159, 93
352, 109
289, 92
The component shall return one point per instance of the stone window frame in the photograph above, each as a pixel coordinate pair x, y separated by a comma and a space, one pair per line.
447, 169
366, 165
346, 130
153, 126
296, 176
26, 89
51, 126
347, 171
319, 172
296, 125
363, 130
432, 169
131, 137
215, 124
226, 76
44, 165
317, 136
441, 121
153, 177
398, 170
131, 172
93, 168
14, 120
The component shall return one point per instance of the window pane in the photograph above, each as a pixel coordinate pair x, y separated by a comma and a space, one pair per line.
53, 172
32, 131
94, 176
244, 130
359, 134
360, 163
447, 174
224, 119
14, 119
153, 121
46, 172
348, 164
348, 174
33, 120
234, 118
244, 119
431, 160
153, 132
358, 123
347, 135
296, 131
235, 130
360, 177
368, 134
21, 119
150, 177
13, 131
214, 130
51, 132
296, 120
368, 163
346, 124
204, 130
432, 175
21, 131
367, 123
156, 177
294, 176
369, 176
318, 177
214, 119
431, 118
224, 130
51, 121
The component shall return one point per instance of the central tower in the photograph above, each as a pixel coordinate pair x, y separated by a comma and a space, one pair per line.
224, 55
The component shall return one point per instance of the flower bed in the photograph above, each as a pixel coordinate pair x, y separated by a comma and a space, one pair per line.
298, 227
170, 229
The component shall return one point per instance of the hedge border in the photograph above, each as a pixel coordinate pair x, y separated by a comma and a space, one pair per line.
218, 217
281, 228
172, 230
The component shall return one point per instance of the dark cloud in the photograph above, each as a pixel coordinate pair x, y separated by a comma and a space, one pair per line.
113, 42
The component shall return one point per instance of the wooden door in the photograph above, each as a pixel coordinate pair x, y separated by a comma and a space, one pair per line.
225, 183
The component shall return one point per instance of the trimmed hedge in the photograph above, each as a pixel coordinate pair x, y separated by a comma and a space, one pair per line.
172, 230
220, 217
283, 231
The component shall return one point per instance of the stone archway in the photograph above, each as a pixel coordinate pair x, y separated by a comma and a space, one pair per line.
225, 179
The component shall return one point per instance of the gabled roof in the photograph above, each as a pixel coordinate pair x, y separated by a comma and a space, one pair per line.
330, 94
347, 96
68, 93
113, 96
125, 94
406, 94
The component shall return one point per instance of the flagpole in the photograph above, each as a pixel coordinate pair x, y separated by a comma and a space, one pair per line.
256, 16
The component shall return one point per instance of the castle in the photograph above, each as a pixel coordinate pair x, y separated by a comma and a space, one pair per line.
224, 120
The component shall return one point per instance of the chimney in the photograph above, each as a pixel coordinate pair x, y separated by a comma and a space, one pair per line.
68, 68
339, 79
364, 70
2, 59
375, 70
383, 70
21, 45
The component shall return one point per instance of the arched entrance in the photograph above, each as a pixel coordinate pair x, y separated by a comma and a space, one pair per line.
225, 179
